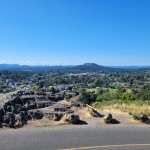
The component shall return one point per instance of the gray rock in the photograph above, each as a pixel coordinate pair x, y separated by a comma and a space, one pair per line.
1, 114
95, 113
108, 118
57, 117
144, 118
71, 118
37, 115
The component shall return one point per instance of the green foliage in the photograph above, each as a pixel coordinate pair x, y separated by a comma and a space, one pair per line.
130, 113
41, 84
127, 96
87, 97
136, 117
67, 97
144, 94
106, 95
6, 90
115, 85
99, 91
35, 88
97, 82
75, 91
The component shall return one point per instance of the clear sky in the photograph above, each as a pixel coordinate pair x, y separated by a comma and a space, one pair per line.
72, 32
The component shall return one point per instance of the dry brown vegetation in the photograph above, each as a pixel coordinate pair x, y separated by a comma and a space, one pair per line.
129, 108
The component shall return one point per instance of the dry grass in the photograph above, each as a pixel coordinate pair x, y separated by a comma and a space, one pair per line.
40, 123
129, 108
84, 113
104, 120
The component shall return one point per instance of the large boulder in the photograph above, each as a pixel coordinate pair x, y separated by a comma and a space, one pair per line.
71, 118
95, 113
144, 118
108, 118
140, 117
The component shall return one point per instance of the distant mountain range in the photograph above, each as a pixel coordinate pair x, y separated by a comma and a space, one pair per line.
26, 67
131, 67
84, 67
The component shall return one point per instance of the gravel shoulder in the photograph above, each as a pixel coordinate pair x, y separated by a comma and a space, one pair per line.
88, 122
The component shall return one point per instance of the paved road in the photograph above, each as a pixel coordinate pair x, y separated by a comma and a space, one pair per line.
111, 137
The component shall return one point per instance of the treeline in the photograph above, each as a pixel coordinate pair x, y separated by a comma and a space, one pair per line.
109, 94
133, 80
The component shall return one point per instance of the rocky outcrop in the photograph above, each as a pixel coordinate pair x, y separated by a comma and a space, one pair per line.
22, 106
16, 107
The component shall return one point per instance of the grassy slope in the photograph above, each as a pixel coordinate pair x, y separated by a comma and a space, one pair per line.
126, 106
136, 106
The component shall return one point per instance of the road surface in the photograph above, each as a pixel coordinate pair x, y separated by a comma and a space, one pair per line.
80, 138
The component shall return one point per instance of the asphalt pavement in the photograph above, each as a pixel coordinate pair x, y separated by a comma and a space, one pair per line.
98, 138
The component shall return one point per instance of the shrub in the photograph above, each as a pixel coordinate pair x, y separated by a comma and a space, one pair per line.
91, 113
104, 120
130, 113
136, 117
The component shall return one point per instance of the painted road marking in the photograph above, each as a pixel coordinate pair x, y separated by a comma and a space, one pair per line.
108, 146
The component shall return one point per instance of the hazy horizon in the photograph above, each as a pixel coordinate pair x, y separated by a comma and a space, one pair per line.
76, 65
108, 33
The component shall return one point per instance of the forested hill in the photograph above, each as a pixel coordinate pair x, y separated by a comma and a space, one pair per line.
29, 68
84, 67
90, 67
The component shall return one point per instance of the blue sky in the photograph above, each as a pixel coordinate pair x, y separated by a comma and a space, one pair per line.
72, 32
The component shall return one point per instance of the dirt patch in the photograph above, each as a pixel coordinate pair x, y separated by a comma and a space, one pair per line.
123, 117
84, 113
44, 122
